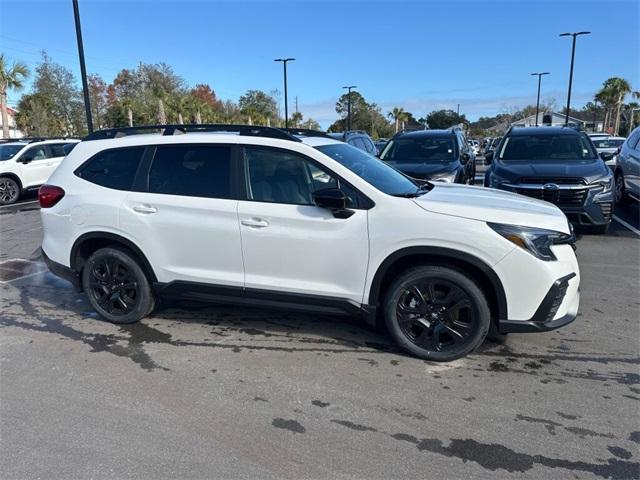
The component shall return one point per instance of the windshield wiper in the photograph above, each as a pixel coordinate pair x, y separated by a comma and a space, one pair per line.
421, 190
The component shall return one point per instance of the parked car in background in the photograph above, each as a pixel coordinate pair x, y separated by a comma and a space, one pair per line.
558, 165
474, 145
380, 144
246, 214
607, 148
442, 155
27, 163
357, 138
627, 174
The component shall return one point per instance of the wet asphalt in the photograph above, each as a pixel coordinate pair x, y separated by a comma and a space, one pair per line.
203, 391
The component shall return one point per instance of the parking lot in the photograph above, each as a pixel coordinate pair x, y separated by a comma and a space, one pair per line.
201, 391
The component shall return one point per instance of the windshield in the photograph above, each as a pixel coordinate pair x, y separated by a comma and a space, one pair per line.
420, 150
8, 151
559, 148
370, 169
608, 143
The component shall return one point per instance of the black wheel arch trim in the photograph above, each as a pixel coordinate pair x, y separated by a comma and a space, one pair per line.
15, 178
442, 252
115, 238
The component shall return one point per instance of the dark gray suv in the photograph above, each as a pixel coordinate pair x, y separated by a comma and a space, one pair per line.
556, 164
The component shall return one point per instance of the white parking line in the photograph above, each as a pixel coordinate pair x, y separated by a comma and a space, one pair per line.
625, 224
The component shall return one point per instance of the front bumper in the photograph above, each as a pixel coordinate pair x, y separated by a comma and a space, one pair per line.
544, 319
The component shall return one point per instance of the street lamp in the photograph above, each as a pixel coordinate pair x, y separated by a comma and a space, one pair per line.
573, 54
83, 70
286, 104
538, 100
349, 88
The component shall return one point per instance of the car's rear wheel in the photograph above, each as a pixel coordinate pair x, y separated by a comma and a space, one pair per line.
116, 286
9, 191
436, 313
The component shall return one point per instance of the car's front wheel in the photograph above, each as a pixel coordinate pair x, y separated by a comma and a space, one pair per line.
9, 191
436, 313
116, 286
621, 197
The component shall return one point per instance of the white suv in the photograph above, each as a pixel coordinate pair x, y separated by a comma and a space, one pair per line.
257, 216
26, 164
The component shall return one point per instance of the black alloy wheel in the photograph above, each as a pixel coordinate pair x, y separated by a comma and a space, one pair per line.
9, 191
437, 313
116, 286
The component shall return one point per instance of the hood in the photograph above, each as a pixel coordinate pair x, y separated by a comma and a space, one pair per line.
490, 205
589, 170
425, 170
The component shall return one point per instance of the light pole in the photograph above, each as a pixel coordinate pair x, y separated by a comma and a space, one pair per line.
83, 70
538, 99
349, 88
286, 104
573, 54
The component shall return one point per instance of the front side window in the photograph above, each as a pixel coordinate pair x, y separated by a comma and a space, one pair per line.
378, 174
547, 147
192, 170
429, 149
36, 153
8, 151
279, 176
112, 168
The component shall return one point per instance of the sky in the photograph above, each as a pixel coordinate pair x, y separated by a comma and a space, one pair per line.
419, 55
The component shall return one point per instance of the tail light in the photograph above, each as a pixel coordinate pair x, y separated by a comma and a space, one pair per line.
49, 195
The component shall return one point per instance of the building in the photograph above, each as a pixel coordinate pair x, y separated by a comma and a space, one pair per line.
552, 119
13, 129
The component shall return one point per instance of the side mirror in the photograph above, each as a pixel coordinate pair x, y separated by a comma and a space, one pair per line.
465, 157
488, 157
334, 199
606, 156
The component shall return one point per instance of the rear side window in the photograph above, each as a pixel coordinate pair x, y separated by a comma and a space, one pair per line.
193, 171
57, 149
112, 168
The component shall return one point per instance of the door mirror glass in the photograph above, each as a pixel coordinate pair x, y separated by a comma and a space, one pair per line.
606, 156
465, 157
331, 198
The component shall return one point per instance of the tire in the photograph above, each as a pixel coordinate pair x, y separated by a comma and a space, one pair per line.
116, 286
9, 191
424, 304
620, 192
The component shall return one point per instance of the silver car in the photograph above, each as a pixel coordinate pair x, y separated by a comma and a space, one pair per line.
608, 148
628, 169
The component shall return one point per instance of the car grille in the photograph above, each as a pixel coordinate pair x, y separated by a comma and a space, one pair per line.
556, 180
563, 197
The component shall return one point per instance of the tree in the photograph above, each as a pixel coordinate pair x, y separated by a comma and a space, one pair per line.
98, 99
617, 89
11, 78
445, 119
259, 106
35, 117
296, 119
398, 115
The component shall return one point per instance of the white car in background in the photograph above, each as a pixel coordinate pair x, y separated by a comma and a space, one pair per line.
608, 148
26, 164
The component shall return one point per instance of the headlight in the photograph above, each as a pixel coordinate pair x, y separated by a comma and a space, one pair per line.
606, 184
536, 241
448, 177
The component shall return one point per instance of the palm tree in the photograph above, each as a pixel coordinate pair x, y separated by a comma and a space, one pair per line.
620, 88
10, 78
606, 98
398, 115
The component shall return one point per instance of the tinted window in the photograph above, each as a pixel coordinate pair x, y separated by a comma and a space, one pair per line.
368, 145
358, 143
8, 151
193, 170
546, 147
420, 150
40, 152
608, 143
112, 168
633, 139
57, 149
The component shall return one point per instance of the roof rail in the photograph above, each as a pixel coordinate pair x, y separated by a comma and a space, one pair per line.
35, 139
173, 129
306, 132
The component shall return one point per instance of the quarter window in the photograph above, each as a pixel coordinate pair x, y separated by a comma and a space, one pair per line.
57, 149
194, 171
112, 168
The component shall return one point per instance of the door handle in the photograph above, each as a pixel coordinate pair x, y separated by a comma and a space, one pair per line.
255, 222
145, 209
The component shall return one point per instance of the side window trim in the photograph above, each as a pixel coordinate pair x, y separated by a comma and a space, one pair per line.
364, 202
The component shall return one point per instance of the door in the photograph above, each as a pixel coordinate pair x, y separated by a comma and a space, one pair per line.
187, 222
36, 165
631, 165
289, 244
